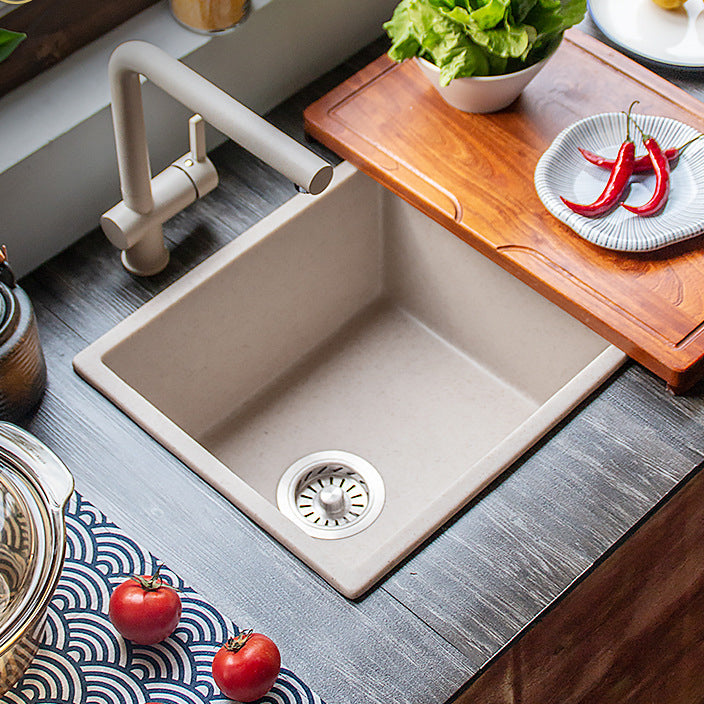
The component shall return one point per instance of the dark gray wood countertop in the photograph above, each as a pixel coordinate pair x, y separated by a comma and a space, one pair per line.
461, 599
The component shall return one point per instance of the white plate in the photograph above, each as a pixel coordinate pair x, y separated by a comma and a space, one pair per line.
563, 171
671, 37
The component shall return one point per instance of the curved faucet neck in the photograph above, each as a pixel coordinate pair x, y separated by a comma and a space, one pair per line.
134, 225
219, 109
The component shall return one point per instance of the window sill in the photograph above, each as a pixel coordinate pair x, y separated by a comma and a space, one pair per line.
67, 94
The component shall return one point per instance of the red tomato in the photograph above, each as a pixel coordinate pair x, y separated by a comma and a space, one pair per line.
145, 609
246, 667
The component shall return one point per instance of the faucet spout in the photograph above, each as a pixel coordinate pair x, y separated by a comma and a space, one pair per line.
157, 199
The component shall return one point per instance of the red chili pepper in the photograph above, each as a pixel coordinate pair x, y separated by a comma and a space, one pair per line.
618, 178
640, 165
643, 163
661, 167
615, 186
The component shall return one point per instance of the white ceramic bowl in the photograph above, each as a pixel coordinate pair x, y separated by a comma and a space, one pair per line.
482, 93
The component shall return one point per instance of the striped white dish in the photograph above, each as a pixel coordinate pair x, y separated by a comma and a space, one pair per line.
563, 171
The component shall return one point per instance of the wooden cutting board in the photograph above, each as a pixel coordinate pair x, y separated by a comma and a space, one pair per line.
474, 175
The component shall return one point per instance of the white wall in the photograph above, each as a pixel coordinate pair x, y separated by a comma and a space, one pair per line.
56, 146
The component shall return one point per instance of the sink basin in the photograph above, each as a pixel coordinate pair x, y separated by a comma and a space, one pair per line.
349, 374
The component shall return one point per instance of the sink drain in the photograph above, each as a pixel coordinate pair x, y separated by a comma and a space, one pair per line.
331, 494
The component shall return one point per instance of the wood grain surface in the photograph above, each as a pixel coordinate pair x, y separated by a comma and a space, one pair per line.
57, 28
633, 632
474, 174
443, 617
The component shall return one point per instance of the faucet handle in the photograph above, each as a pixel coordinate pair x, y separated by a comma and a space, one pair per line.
195, 164
196, 138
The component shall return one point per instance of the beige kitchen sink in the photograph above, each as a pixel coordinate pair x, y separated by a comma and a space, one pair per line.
349, 374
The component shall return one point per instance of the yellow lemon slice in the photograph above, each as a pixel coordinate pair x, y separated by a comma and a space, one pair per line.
670, 4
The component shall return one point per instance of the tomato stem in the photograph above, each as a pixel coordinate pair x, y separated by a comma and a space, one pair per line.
239, 641
153, 582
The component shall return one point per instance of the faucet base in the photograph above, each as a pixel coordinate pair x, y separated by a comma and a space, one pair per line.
148, 257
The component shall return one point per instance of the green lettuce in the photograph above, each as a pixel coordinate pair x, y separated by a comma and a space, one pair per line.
417, 28
480, 37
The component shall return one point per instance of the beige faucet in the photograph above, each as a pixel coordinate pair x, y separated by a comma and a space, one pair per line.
135, 224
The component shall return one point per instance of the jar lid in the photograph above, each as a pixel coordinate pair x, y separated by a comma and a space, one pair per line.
31, 527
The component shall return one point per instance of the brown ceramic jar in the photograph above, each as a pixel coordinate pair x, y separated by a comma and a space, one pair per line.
22, 366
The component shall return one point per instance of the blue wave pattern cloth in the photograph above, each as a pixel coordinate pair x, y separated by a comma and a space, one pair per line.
84, 660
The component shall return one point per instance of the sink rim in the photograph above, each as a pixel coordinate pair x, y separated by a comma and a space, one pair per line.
356, 579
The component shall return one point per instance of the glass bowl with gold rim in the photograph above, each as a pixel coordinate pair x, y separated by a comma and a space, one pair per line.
34, 488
